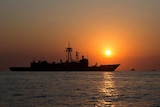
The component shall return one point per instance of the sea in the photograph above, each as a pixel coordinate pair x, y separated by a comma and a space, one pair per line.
80, 89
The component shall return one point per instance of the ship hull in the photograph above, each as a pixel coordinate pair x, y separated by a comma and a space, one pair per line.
94, 68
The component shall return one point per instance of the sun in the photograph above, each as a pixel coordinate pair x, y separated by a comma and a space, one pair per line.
108, 52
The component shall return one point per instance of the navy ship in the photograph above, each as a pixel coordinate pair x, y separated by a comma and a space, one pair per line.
68, 65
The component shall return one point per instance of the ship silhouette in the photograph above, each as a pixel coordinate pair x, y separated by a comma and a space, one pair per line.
69, 65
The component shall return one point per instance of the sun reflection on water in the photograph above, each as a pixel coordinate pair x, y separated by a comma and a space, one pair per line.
107, 90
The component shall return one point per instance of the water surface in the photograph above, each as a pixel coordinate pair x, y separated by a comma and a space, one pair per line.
79, 89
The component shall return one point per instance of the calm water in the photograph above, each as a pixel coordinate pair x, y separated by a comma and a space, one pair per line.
80, 89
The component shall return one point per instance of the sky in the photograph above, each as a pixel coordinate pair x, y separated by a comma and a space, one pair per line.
41, 29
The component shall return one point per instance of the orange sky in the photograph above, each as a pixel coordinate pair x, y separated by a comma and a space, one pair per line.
41, 30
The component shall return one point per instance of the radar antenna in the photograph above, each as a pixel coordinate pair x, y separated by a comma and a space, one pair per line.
69, 50
77, 57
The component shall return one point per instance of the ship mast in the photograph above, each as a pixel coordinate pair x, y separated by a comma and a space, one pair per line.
69, 50
77, 57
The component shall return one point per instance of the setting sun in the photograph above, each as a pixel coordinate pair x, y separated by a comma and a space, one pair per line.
108, 52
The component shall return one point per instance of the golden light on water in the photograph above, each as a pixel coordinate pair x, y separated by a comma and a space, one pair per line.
109, 87
108, 90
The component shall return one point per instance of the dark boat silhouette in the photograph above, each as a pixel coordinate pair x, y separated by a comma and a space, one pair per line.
69, 65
